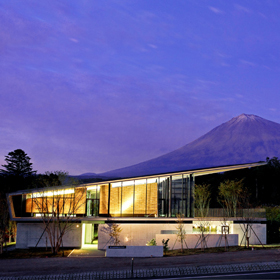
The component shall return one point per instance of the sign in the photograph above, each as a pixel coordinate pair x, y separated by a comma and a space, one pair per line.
117, 247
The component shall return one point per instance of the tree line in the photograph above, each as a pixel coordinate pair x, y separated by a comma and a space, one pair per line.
257, 187
261, 184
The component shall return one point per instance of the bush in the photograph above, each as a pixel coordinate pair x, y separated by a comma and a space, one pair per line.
165, 245
152, 242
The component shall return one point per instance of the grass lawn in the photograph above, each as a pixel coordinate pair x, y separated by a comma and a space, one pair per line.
42, 253
33, 253
172, 253
9, 244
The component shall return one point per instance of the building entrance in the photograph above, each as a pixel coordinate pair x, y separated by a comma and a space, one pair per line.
90, 235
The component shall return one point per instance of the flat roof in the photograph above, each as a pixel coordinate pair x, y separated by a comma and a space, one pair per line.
194, 172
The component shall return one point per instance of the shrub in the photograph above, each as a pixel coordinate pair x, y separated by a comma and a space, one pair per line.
152, 242
165, 245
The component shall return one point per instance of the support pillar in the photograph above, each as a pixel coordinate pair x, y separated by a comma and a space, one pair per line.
169, 196
188, 185
192, 182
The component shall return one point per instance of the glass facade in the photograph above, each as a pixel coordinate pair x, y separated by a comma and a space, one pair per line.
164, 196
57, 202
180, 196
93, 194
135, 198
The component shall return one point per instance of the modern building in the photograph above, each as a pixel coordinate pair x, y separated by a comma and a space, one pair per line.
145, 207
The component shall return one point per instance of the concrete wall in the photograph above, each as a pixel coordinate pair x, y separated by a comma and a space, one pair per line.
137, 234
135, 251
194, 240
28, 235
258, 231
140, 234
132, 234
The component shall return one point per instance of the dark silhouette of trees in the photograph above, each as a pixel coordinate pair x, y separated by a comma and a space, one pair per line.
18, 174
262, 183
18, 164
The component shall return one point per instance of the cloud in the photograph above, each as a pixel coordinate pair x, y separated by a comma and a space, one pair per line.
215, 10
243, 9
225, 64
246, 62
239, 95
74, 40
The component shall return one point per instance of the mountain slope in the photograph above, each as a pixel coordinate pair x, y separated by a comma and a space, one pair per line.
243, 139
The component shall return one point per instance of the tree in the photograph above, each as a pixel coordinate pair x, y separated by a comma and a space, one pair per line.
58, 209
18, 163
230, 195
202, 199
115, 233
113, 230
181, 232
58, 206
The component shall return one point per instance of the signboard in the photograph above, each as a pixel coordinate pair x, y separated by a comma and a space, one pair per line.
117, 247
225, 229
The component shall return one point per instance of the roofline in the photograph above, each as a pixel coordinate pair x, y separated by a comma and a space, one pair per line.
194, 172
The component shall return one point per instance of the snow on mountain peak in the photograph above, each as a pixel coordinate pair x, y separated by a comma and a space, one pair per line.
246, 117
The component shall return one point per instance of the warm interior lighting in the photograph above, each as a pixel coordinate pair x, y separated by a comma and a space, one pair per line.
132, 182
93, 188
151, 181
77, 226
116, 185
52, 193
128, 183
127, 204
140, 182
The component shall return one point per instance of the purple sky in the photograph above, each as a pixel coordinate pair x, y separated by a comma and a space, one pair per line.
90, 86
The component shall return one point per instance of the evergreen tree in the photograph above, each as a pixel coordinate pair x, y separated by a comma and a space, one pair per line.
18, 163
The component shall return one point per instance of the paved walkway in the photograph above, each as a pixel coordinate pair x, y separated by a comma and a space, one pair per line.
86, 253
107, 268
157, 272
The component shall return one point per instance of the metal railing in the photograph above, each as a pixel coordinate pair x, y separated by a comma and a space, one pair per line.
240, 213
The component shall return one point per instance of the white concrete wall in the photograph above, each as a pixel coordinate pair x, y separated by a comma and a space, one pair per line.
135, 251
132, 234
194, 240
136, 234
28, 235
140, 234
259, 229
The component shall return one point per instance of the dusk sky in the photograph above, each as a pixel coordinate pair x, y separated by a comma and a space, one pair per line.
91, 86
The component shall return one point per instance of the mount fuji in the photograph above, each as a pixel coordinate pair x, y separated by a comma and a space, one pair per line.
243, 139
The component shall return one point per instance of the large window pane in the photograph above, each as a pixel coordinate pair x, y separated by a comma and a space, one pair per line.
152, 199
176, 199
140, 198
163, 196
104, 199
127, 198
115, 200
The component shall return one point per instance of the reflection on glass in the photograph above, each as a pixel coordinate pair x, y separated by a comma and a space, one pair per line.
104, 199
140, 198
163, 188
127, 198
152, 197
